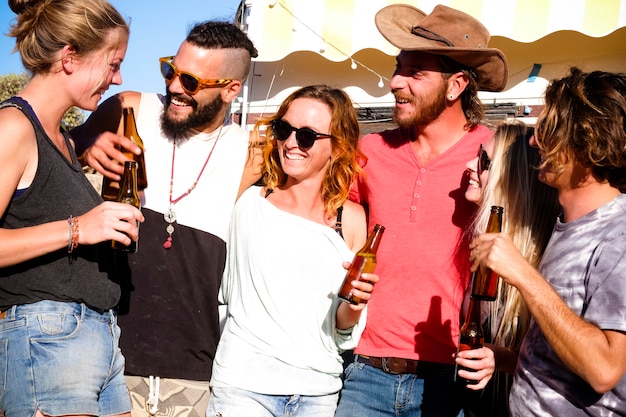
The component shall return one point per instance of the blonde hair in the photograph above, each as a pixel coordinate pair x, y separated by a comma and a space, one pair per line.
530, 211
344, 128
43, 27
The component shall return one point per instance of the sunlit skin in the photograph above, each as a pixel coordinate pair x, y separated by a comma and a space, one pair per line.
89, 72
570, 178
474, 192
307, 165
419, 89
203, 63
300, 195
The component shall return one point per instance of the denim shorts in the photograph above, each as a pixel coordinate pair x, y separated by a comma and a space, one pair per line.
61, 358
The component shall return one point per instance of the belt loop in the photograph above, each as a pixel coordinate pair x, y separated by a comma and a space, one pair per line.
83, 311
383, 363
11, 312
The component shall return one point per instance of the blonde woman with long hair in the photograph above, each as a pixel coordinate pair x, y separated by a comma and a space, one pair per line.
504, 173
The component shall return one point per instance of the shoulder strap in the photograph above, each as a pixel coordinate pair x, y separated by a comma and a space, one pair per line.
22, 105
338, 222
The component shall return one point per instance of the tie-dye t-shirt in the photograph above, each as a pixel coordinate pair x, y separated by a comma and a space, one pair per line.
585, 262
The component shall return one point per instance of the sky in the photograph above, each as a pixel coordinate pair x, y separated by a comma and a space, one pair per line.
157, 28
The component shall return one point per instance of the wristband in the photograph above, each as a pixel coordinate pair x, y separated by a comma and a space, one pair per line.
73, 233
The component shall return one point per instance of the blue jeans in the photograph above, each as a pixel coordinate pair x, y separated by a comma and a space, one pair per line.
370, 392
61, 358
234, 402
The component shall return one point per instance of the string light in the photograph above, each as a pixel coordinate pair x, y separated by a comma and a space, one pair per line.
354, 62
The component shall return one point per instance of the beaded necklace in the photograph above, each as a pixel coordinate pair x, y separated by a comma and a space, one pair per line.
170, 214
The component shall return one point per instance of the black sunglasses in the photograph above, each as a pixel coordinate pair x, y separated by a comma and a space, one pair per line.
305, 137
190, 83
483, 161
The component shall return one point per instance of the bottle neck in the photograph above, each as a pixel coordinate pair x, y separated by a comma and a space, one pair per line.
129, 179
473, 312
373, 240
495, 220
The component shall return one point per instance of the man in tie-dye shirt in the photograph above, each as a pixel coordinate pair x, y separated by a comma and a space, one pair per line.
573, 359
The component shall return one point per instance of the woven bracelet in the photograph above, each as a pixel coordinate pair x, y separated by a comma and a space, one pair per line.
73, 233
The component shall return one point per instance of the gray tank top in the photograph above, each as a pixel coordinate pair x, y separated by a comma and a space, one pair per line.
59, 189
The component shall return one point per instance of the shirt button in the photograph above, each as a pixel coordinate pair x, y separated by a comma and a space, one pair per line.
413, 208
418, 183
423, 170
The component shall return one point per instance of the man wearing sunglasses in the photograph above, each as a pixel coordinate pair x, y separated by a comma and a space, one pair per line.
414, 184
196, 164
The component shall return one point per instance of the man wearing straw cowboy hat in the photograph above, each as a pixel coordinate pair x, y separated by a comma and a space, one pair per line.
413, 185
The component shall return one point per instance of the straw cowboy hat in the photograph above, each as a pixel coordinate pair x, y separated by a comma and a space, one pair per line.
448, 32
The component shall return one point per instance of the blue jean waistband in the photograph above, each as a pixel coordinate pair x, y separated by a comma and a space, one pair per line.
47, 306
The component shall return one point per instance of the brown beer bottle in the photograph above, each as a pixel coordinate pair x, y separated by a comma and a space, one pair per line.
471, 336
110, 187
128, 194
485, 284
364, 261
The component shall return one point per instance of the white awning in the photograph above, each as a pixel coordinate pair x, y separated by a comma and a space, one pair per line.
337, 29
303, 42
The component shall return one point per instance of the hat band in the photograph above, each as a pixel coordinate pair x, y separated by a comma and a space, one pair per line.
430, 35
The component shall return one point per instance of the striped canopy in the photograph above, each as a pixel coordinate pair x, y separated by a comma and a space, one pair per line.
337, 29
302, 42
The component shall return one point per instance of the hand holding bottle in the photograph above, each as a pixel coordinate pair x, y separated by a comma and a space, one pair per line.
361, 288
485, 281
476, 365
497, 252
109, 221
364, 262
110, 187
107, 154
348, 314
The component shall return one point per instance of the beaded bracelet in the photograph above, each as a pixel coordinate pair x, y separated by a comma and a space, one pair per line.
73, 233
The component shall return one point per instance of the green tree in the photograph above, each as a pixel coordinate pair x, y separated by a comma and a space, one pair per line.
12, 84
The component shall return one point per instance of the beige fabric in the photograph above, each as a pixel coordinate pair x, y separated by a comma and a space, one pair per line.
177, 397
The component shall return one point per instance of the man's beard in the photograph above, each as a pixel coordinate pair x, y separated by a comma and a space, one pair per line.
427, 109
179, 131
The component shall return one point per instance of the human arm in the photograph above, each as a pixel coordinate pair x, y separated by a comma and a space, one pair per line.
253, 168
100, 140
107, 221
354, 229
19, 162
573, 339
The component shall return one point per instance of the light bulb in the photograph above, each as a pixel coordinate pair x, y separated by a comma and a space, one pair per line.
381, 84
353, 65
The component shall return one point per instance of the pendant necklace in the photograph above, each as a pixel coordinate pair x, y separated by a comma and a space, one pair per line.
170, 214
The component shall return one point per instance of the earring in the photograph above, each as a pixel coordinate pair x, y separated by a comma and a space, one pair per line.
451, 97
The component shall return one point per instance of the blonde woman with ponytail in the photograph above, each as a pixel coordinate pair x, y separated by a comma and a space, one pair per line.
58, 322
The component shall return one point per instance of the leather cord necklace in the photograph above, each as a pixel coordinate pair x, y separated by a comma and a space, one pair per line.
170, 214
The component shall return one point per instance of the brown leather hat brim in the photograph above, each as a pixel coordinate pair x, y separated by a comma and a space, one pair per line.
396, 22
